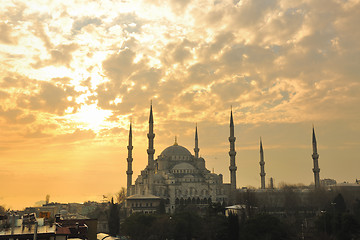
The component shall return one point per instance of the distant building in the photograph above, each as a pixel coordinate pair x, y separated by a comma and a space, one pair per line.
238, 210
143, 203
25, 228
327, 182
15, 227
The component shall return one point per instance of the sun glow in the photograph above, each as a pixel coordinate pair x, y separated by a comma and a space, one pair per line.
91, 117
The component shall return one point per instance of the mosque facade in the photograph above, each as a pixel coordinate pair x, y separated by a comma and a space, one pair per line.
177, 177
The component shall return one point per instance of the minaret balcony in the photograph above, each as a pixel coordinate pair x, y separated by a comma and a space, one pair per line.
232, 139
315, 155
151, 151
232, 153
232, 168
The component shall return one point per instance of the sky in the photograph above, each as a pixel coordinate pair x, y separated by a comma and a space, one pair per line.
74, 74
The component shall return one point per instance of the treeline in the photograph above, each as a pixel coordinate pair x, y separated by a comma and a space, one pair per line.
289, 213
189, 224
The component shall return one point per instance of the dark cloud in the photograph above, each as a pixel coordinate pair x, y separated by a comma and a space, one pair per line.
16, 116
6, 35
252, 13
201, 73
50, 98
61, 55
83, 22
178, 52
14, 80
38, 29
177, 6
4, 95
221, 41
232, 89
119, 67
133, 82
130, 22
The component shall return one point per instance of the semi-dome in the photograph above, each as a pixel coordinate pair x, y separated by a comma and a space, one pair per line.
183, 166
176, 150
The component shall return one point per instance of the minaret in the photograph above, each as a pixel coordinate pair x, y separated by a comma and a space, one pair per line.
232, 155
151, 137
262, 166
315, 157
196, 149
129, 171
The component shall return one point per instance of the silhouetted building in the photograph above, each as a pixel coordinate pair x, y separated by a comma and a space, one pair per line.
177, 176
315, 157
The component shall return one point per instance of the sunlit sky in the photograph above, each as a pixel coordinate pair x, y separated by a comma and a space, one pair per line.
73, 74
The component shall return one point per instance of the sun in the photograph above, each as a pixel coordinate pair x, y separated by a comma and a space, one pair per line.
92, 117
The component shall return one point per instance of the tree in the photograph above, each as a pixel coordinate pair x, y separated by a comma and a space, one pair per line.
2, 210
121, 196
291, 199
47, 199
187, 225
264, 226
339, 203
138, 226
114, 219
357, 210
233, 221
248, 199
337, 223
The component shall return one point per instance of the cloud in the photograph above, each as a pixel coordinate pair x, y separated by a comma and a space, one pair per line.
6, 34
83, 22
178, 52
120, 66
16, 116
75, 136
60, 55
51, 98
177, 6
4, 95
134, 82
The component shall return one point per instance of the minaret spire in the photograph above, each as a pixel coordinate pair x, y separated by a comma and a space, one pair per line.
262, 166
196, 149
129, 171
151, 137
315, 157
232, 154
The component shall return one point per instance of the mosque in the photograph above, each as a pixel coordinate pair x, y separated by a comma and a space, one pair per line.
177, 177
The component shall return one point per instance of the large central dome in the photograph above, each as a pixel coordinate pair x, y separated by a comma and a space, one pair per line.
175, 150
